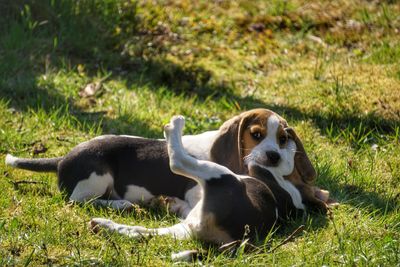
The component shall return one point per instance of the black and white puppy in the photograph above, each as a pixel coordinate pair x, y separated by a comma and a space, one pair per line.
230, 202
117, 171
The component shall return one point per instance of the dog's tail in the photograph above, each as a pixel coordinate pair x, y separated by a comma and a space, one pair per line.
37, 165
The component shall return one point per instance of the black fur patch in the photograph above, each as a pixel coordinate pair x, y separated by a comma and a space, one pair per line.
130, 161
236, 204
286, 208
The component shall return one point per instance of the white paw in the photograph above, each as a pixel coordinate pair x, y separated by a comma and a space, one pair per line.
185, 256
176, 124
96, 224
321, 194
178, 206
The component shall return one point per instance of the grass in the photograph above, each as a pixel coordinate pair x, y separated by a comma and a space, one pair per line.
330, 68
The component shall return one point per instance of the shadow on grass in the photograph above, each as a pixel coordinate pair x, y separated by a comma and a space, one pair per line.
356, 196
43, 35
56, 34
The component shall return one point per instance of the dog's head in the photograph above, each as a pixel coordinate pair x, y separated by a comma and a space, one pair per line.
262, 137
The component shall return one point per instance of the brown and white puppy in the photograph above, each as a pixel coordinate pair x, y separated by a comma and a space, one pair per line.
117, 171
262, 137
232, 204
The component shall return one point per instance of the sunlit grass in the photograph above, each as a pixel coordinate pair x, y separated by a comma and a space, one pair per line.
330, 68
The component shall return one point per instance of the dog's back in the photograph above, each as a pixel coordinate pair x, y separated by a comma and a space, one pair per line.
128, 160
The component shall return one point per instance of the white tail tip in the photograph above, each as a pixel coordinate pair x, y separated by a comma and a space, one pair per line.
11, 160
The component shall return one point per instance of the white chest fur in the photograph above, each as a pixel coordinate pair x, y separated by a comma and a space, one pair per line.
289, 187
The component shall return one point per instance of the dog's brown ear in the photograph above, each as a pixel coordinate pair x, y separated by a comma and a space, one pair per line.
227, 147
301, 161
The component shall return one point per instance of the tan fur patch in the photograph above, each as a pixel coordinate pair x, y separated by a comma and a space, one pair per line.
256, 123
281, 134
248, 141
253, 125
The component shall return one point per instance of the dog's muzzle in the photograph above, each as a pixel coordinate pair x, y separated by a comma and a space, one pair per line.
273, 158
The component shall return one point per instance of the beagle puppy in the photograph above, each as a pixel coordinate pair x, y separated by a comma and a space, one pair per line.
116, 171
232, 205
265, 139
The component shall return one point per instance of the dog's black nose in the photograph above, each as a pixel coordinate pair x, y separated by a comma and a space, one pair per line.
273, 157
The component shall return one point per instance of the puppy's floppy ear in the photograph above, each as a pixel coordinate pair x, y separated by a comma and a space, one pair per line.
227, 147
301, 161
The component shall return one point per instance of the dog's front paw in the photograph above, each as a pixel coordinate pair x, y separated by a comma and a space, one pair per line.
321, 194
319, 206
97, 224
324, 196
178, 206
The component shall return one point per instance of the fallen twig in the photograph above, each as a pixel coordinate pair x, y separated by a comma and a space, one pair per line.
235, 245
17, 183
229, 245
289, 238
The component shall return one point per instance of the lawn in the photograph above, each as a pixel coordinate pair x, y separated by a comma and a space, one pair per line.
72, 70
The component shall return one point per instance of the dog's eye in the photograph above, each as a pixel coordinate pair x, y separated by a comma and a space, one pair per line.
282, 140
256, 135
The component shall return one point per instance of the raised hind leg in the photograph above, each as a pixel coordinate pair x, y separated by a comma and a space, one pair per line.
182, 163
